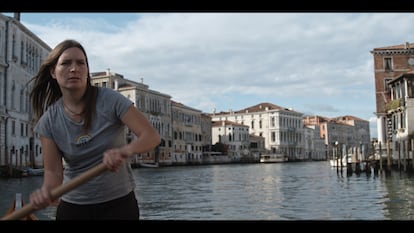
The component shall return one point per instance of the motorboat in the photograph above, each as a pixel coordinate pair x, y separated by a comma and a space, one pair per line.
273, 158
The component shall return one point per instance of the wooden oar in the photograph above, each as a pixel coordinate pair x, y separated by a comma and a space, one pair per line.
59, 191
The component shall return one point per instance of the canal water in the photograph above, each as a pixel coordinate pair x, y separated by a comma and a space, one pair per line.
279, 191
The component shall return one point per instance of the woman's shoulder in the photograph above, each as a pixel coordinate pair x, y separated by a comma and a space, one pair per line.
104, 92
54, 107
52, 111
110, 96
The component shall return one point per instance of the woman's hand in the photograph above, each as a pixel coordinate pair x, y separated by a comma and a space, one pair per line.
114, 158
41, 198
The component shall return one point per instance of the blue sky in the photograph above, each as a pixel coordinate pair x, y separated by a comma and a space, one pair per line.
315, 63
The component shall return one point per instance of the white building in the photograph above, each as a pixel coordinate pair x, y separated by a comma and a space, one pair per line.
315, 148
235, 135
281, 127
21, 54
400, 111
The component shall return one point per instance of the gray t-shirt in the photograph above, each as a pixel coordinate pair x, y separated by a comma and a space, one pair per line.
82, 152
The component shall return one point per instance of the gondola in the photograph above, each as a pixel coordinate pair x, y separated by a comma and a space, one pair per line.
19, 211
17, 204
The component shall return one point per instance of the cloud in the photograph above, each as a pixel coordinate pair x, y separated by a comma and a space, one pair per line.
312, 62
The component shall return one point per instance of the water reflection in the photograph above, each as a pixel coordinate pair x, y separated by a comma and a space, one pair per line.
289, 191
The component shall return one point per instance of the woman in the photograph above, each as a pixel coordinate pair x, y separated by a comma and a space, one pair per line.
84, 126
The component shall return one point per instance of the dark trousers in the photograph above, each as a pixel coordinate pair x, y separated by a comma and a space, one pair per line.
124, 208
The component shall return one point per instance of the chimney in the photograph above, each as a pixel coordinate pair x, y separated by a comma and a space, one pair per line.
116, 85
16, 16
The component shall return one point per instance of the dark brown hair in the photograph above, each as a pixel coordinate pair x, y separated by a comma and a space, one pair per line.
46, 90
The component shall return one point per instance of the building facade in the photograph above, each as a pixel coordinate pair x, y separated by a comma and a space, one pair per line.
349, 131
235, 136
188, 141
389, 63
282, 128
315, 148
154, 105
400, 112
21, 54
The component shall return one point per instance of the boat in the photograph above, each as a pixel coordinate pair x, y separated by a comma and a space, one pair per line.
149, 164
18, 204
33, 171
154, 163
273, 158
336, 162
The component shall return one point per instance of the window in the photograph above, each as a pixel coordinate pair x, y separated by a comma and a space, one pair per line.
14, 56
386, 80
254, 145
21, 52
12, 94
410, 87
21, 129
387, 64
13, 128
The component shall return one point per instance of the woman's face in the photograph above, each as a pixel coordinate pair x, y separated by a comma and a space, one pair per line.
71, 69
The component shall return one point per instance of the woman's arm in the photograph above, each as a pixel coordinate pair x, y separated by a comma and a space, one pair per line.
52, 177
147, 138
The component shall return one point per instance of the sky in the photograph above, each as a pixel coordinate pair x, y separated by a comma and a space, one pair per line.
315, 63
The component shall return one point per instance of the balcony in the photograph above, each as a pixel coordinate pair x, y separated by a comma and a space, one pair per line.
394, 105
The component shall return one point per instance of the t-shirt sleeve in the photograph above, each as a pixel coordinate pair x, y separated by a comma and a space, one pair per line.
118, 102
42, 127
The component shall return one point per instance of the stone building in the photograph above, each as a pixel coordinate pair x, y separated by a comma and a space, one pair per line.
188, 141
390, 62
400, 112
154, 105
21, 54
234, 135
282, 128
350, 131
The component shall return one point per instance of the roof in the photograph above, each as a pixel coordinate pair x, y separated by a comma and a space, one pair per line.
347, 118
220, 123
409, 75
261, 107
407, 45
401, 49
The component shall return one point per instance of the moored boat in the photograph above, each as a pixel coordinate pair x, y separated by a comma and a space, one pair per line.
273, 158
33, 172
336, 162
149, 164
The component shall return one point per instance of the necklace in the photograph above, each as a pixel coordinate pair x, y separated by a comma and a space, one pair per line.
71, 111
